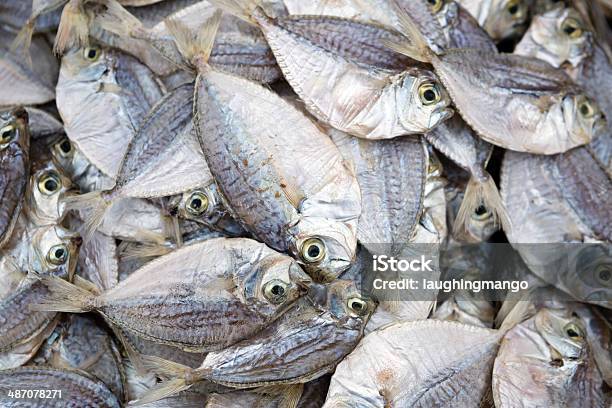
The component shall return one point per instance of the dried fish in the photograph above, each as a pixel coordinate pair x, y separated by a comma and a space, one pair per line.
550, 353
240, 279
15, 168
365, 101
507, 99
77, 388
296, 194
302, 345
103, 96
502, 19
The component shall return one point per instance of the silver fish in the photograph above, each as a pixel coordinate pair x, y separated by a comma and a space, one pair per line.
15, 167
48, 185
527, 95
307, 342
103, 96
77, 388
289, 187
548, 352
241, 280
364, 101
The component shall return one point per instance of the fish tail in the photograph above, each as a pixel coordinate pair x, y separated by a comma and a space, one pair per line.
181, 378
481, 192
73, 29
521, 311
417, 47
64, 297
116, 19
97, 202
144, 250
23, 40
173, 229
195, 49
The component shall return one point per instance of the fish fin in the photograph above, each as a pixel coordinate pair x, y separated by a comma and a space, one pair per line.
418, 48
94, 201
116, 19
242, 9
23, 41
73, 29
195, 49
87, 285
145, 250
521, 311
479, 193
165, 368
133, 355
64, 297
173, 229
292, 395
163, 390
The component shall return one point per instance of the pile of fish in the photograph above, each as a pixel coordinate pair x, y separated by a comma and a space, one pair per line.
192, 191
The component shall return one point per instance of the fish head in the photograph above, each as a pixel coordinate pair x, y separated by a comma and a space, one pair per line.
200, 205
48, 185
14, 129
55, 250
324, 246
87, 63
482, 224
542, 6
426, 101
280, 280
589, 273
557, 36
583, 119
347, 304
505, 18
564, 334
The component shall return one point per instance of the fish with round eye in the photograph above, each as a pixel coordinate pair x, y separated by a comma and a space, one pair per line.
562, 38
242, 282
93, 81
47, 189
308, 341
549, 352
364, 101
14, 166
502, 19
527, 95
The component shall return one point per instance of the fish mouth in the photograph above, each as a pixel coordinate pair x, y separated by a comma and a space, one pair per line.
442, 115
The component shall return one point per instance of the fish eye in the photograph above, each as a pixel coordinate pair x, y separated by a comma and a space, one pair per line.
587, 109
58, 254
49, 183
64, 147
603, 274
7, 133
572, 27
429, 93
515, 9
573, 331
313, 250
275, 291
91, 54
357, 306
197, 203
481, 213
436, 5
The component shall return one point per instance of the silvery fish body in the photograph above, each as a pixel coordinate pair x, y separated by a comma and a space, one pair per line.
219, 291
17, 13
364, 101
391, 203
562, 38
80, 343
502, 19
427, 363
285, 180
47, 250
103, 96
22, 84
378, 11
15, 168
460, 28
508, 98
304, 344
550, 353
43, 124
78, 388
